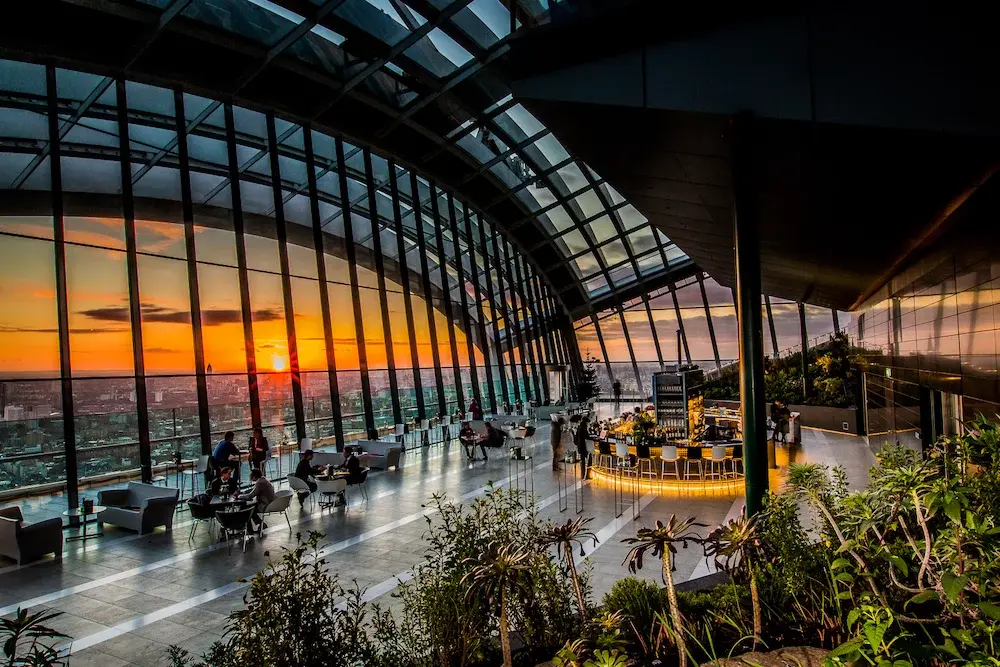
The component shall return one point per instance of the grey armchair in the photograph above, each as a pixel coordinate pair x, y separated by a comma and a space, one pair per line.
29, 541
379, 454
140, 507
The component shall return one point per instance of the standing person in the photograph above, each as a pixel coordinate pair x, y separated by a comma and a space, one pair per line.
580, 440
555, 439
258, 450
616, 389
263, 493
779, 417
475, 411
226, 453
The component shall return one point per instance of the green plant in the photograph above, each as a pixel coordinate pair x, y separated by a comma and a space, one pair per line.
289, 618
499, 574
588, 386
661, 542
564, 536
439, 624
607, 659
27, 640
736, 548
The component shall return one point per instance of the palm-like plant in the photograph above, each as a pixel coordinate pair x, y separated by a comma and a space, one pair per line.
565, 536
26, 640
736, 548
661, 542
500, 572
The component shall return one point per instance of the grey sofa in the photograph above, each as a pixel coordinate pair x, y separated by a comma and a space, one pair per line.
29, 541
140, 507
379, 454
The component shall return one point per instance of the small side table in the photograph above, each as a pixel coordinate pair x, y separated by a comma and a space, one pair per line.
78, 512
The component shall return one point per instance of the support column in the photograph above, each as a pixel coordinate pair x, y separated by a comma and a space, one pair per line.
748, 306
805, 350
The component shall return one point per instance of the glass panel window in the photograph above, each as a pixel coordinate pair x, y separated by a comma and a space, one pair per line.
228, 404
100, 321
371, 315
107, 432
270, 335
29, 339
31, 430
221, 319
345, 341
310, 337
167, 338
640, 334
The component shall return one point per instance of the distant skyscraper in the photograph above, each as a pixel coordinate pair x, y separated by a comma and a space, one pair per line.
209, 369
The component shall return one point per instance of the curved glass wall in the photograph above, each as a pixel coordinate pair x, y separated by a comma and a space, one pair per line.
694, 321
430, 66
175, 267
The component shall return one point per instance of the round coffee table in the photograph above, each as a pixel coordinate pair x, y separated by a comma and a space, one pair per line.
80, 514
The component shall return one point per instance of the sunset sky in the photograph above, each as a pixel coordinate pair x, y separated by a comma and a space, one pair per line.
100, 320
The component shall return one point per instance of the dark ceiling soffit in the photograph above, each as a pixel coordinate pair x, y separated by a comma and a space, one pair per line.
938, 226
620, 26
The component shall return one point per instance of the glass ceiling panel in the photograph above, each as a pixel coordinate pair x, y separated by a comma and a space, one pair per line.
573, 211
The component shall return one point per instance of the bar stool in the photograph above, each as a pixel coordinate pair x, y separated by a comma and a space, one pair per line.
424, 432
623, 460
736, 458
717, 464
668, 454
400, 434
446, 429
604, 456
588, 444
643, 458
694, 457
199, 470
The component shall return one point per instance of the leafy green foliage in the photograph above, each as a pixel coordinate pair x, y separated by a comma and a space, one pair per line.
27, 640
833, 375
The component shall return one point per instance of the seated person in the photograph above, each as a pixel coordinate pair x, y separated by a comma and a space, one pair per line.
225, 484
305, 471
494, 437
226, 453
469, 439
263, 493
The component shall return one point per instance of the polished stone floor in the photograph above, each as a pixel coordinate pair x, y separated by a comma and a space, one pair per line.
125, 597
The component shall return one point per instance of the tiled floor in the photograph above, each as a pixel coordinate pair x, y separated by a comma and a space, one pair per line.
126, 597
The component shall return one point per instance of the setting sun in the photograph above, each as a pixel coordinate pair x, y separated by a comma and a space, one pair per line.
278, 362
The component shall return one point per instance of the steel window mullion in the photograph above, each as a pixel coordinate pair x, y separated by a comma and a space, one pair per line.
428, 291
286, 281
631, 350
770, 325
404, 279
652, 328
539, 327
463, 302
359, 326
496, 308
194, 295
521, 322
62, 306
600, 341
836, 320
241, 263
708, 318
477, 294
680, 325
380, 277
324, 292
512, 322
446, 292
535, 326
132, 265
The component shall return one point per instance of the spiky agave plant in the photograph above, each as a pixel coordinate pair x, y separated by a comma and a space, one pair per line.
736, 548
500, 572
565, 537
661, 542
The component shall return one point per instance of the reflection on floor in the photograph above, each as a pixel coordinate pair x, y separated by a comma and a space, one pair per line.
124, 597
